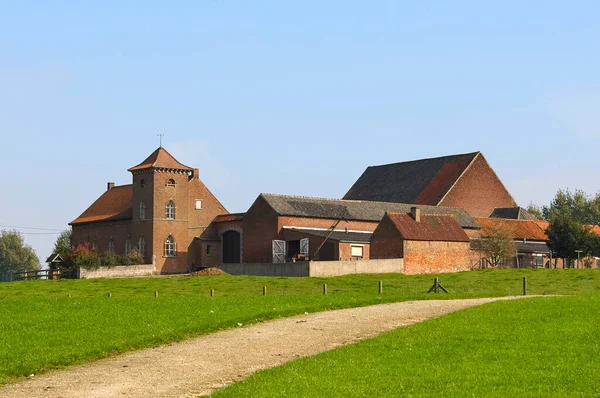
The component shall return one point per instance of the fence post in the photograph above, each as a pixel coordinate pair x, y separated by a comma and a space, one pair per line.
524, 286
324, 288
264, 290
380, 287
212, 292
156, 293
436, 282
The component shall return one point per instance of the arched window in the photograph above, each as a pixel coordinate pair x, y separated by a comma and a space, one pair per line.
128, 247
170, 247
170, 210
142, 183
142, 246
142, 211
111, 245
170, 182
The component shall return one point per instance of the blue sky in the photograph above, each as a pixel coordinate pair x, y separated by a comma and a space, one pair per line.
290, 97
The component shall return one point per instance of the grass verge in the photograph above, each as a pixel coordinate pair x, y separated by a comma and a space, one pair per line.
52, 324
527, 348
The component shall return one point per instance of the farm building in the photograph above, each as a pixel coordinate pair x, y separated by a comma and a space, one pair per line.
427, 243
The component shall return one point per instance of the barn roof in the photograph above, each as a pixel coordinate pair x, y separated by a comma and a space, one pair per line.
354, 210
520, 229
424, 181
430, 228
161, 159
114, 204
229, 217
515, 213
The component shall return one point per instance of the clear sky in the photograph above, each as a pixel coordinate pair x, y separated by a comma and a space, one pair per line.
289, 97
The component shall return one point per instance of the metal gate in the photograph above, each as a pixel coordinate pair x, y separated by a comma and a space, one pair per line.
279, 251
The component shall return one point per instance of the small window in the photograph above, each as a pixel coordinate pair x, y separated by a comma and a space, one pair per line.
208, 250
198, 204
170, 182
170, 247
357, 251
128, 247
111, 246
142, 246
142, 211
95, 246
142, 183
170, 210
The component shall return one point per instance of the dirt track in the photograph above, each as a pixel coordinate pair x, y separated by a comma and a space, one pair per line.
203, 364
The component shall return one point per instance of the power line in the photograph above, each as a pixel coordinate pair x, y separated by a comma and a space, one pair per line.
37, 228
40, 233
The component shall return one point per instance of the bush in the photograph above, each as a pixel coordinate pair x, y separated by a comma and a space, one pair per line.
86, 257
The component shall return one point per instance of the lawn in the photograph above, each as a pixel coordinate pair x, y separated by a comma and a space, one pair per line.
52, 324
539, 347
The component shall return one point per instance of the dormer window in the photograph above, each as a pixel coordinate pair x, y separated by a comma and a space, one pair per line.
170, 210
170, 182
142, 211
142, 183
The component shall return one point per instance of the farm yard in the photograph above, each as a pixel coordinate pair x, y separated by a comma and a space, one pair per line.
54, 324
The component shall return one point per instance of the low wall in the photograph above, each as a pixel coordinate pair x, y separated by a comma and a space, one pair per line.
121, 271
337, 268
316, 268
299, 268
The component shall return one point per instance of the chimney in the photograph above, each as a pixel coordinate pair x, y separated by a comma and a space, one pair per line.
195, 174
110, 186
415, 213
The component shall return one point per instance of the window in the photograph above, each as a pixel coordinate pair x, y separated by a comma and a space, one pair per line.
170, 210
208, 250
142, 183
538, 260
170, 246
128, 247
142, 211
111, 246
95, 245
198, 204
357, 251
142, 246
170, 182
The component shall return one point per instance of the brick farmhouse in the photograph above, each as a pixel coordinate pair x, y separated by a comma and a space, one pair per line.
420, 211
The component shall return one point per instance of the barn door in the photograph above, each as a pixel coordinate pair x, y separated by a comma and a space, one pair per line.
279, 251
304, 247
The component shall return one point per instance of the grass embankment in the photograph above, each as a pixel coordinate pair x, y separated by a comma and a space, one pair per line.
41, 327
538, 347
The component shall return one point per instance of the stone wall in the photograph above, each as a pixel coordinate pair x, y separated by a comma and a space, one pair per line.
121, 271
299, 268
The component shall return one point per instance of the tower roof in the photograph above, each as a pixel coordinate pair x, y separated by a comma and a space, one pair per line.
162, 159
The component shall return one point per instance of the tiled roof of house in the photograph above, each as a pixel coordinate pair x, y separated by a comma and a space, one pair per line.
354, 210
340, 236
520, 229
515, 213
160, 158
114, 204
431, 227
229, 217
424, 181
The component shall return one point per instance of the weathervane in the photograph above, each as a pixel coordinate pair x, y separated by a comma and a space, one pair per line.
160, 135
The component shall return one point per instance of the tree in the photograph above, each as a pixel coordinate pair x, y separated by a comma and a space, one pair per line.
15, 255
62, 245
497, 244
535, 211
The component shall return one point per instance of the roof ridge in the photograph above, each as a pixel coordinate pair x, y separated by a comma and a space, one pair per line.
423, 159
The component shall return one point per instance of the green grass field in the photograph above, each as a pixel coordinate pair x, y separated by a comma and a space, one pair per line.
539, 347
41, 327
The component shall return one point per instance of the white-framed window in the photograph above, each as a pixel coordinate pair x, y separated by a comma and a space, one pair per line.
128, 247
170, 247
111, 245
170, 210
142, 246
142, 211
170, 182
356, 251
198, 204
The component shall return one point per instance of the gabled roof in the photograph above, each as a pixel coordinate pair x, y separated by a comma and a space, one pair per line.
424, 181
229, 217
162, 159
340, 236
353, 210
431, 227
515, 213
55, 257
520, 229
114, 204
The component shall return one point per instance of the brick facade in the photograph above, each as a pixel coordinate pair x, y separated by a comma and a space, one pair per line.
425, 257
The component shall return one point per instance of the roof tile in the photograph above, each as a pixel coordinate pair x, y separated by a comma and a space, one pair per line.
114, 204
160, 158
431, 227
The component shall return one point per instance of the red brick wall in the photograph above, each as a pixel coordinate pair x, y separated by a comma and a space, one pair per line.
424, 257
479, 191
260, 228
346, 251
386, 241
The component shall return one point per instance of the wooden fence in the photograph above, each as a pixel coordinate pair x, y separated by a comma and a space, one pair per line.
47, 274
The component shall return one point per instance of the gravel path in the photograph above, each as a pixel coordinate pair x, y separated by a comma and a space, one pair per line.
201, 365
